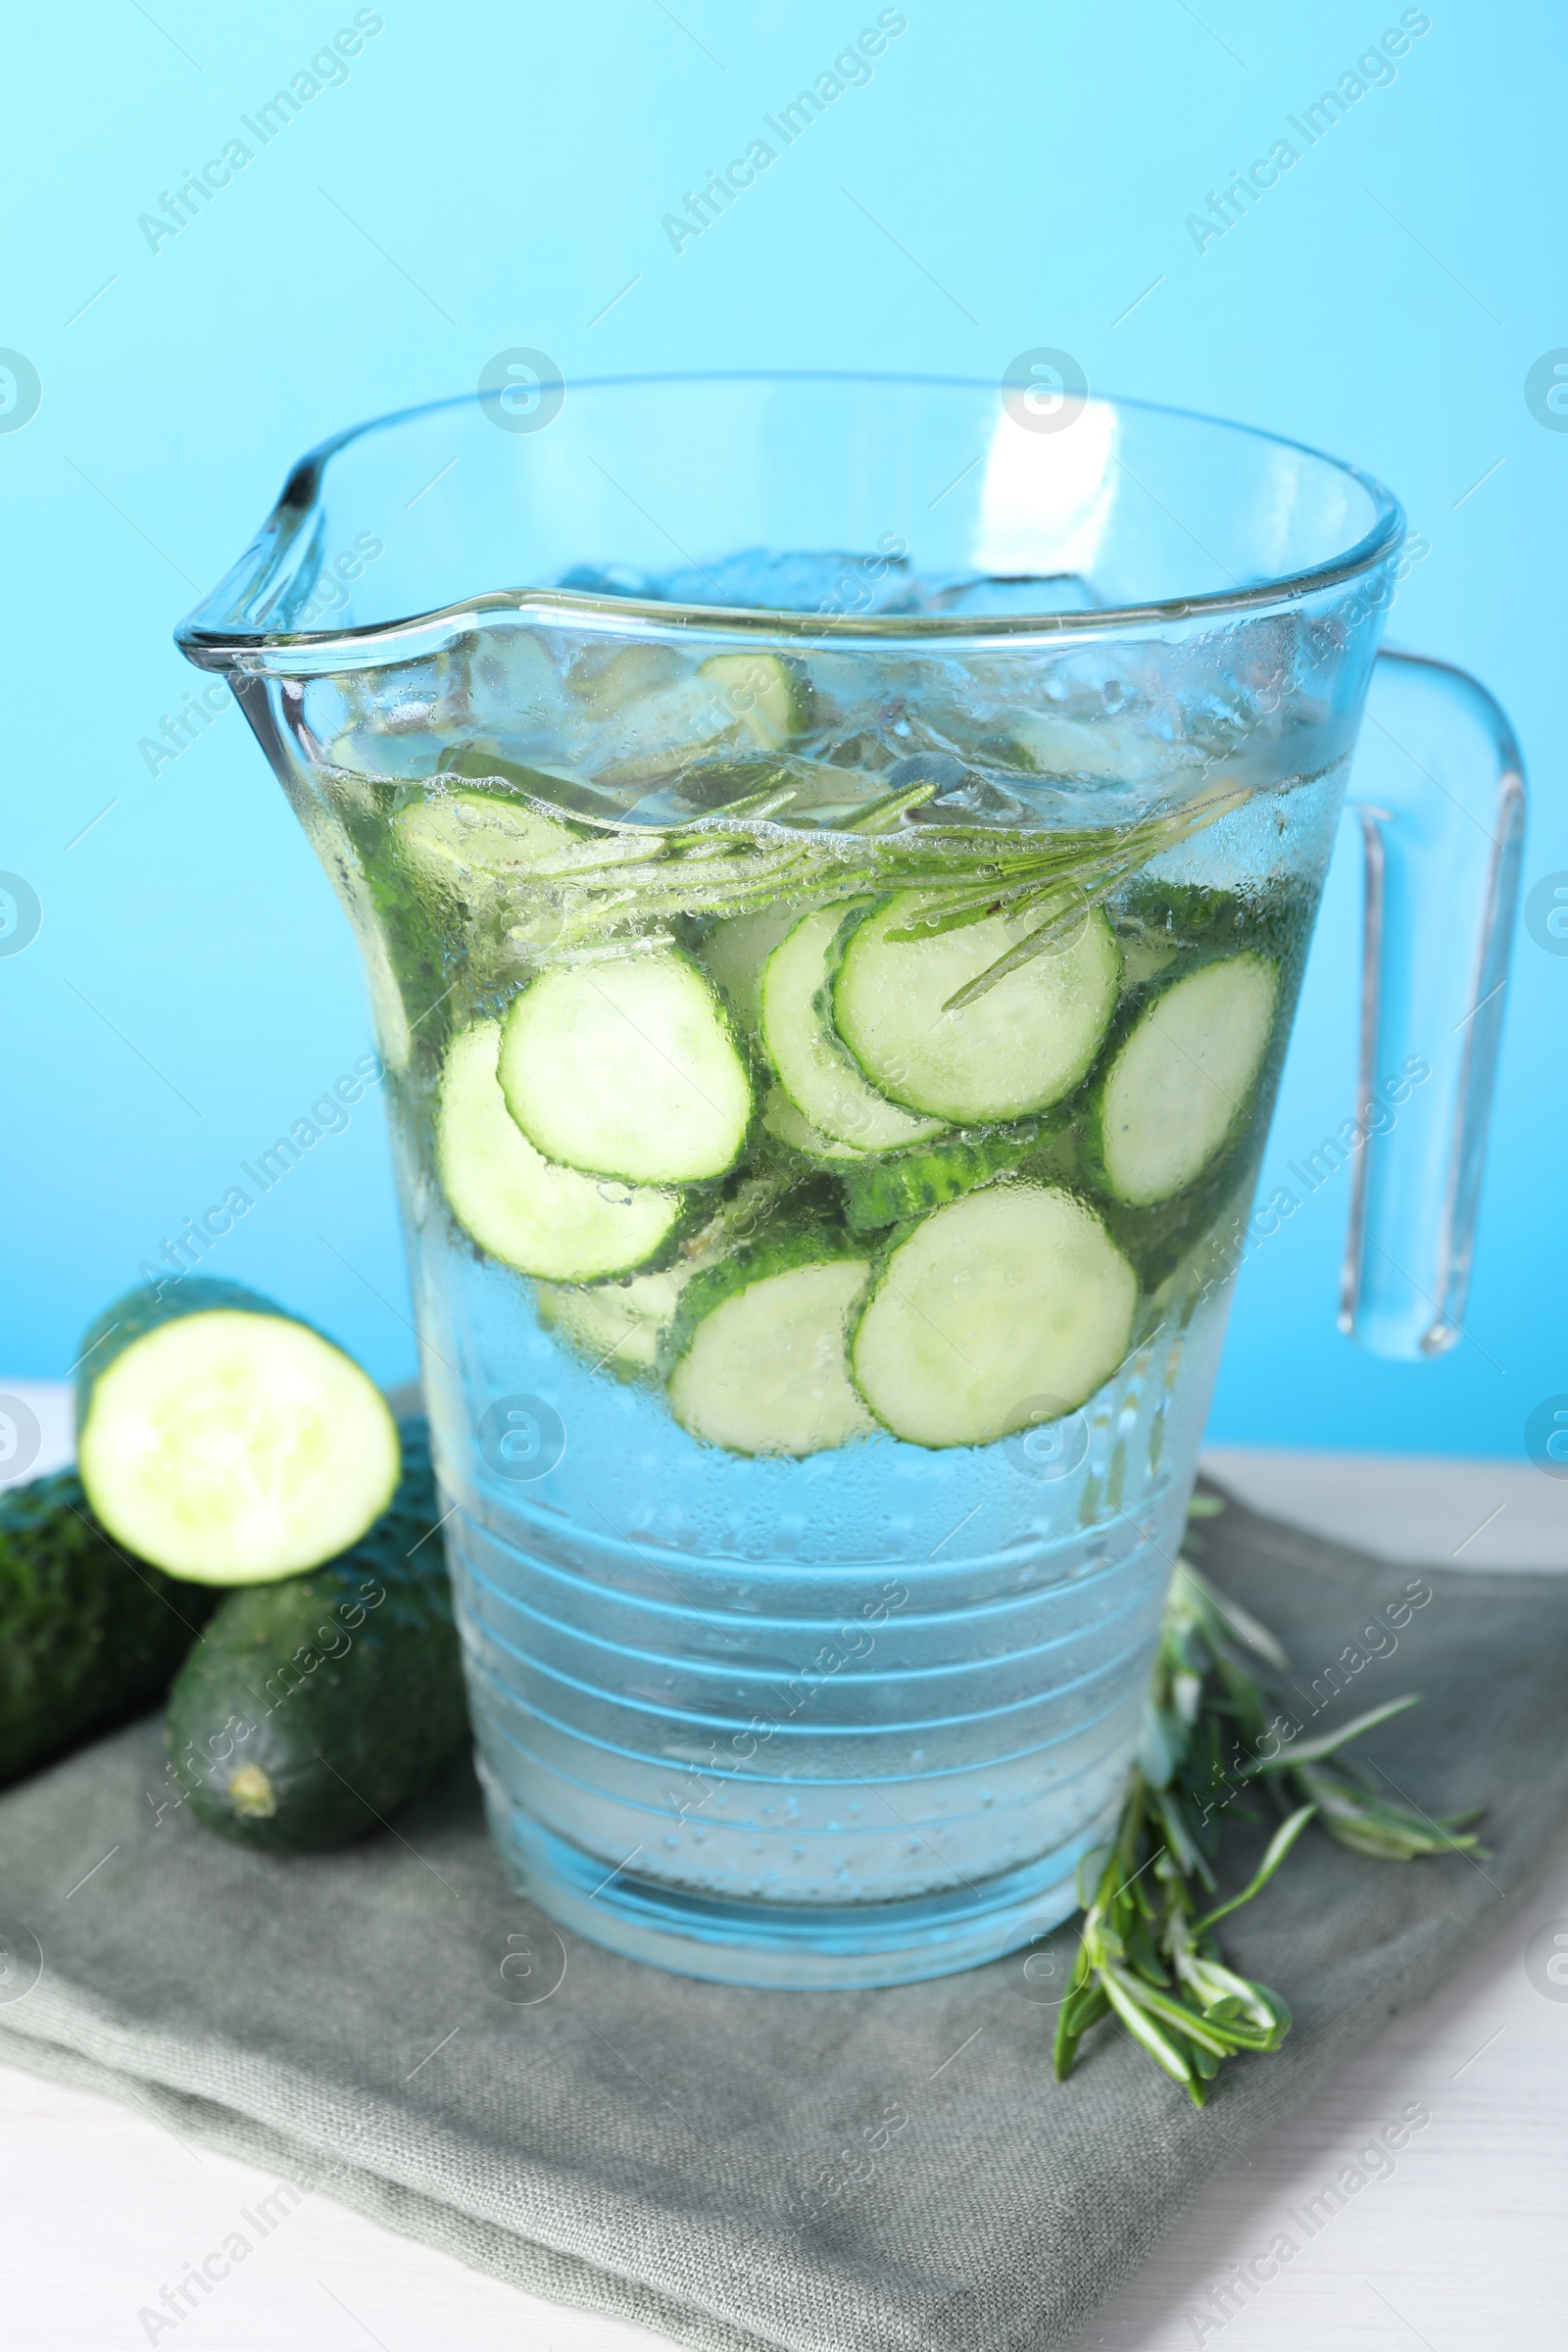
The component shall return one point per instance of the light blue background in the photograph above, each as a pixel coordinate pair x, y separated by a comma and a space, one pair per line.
493, 175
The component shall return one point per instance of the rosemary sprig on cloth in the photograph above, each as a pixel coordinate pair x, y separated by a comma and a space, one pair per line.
1218, 1731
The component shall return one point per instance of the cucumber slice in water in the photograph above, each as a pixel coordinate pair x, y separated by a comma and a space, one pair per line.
1013, 1295
890, 1192
760, 1349
766, 695
1180, 1083
629, 1068
1019, 1048
786, 1126
475, 843
826, 1087
736, 950
616, 1325
518, 1205
225, 1442
747, 701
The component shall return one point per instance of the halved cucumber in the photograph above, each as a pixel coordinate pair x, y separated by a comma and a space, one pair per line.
1013, 1295
629, 1068
1180, 1085
1019, 1048
520, 1207
225, 1442
759, 1349
826, 1087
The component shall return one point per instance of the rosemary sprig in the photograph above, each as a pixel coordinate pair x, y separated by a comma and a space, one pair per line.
742, 858
1218, 1728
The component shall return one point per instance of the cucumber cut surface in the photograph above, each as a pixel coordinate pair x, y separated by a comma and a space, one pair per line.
475, 843
520, 1207
1180, 1083
627, 1068
762, 1367
784, 1123
736, 950
823, 1081
617, 1326
1019, 1048
231, 1445
765, 694
1011, 1295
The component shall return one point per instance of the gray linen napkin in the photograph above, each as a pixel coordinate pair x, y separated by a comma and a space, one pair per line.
818, 2171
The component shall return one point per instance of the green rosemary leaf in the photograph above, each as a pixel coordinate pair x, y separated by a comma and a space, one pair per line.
1312, 1751
1279, 1845
1146, 1957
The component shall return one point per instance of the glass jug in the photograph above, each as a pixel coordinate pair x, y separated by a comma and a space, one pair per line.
834, 859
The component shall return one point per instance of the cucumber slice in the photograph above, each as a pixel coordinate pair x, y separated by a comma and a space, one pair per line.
743, 701
760, 1349
518, 1207
620, 1326
617, 1326
1019, 1048
766, 697
825, 1086
735, 952
1180, 1085
225, 1442
786, 1126
890, 1192
629, 1068
1008, 1295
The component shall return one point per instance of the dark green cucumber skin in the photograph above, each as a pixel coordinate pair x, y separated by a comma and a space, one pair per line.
344, 1738
892, 1190
144, 1311
89, 1636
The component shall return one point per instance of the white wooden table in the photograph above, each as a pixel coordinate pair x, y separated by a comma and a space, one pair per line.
1458, 2247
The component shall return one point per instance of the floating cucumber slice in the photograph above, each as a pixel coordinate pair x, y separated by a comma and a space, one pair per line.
1180, 1083
744, 700
1073, 747
826, 1087
784, 1123
766, 696
627, 1067
1019, 1048
759, 1349
616, 1325
735, 952
1012, 1296
620, 1326
225, 1442
520, 1208
464, 843
890, 1192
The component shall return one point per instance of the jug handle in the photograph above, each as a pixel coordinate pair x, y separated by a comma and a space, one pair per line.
1437, 787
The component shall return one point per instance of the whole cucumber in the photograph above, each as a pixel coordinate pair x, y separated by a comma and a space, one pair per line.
317, 1705
89, 1635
